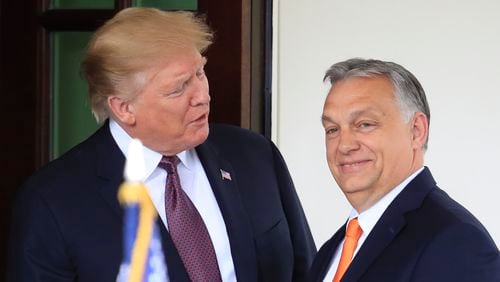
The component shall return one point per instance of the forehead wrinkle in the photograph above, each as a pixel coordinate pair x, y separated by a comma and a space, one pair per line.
184, 75
369, 110
179, 74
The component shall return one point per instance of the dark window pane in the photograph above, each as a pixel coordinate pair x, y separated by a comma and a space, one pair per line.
168, 4
71, 118
82, 4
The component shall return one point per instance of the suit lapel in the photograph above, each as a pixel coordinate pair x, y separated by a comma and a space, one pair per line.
235, 217
326, 255
380, 237
390, 224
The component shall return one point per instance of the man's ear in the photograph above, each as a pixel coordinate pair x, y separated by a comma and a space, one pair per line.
121, 109
420, 130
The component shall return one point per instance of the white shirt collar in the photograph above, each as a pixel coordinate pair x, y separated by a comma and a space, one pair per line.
151, 158
368, 218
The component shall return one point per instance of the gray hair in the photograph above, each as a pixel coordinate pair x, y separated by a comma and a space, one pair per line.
408, 93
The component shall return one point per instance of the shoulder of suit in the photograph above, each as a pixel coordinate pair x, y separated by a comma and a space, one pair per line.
222, 132
232, 141
443, 212
66, 166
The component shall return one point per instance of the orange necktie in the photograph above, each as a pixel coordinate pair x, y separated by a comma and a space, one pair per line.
351, 241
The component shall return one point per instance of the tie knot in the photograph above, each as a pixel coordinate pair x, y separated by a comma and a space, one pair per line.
169, 164
353, 229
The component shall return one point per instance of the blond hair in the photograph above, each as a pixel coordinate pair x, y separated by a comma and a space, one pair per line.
132, 42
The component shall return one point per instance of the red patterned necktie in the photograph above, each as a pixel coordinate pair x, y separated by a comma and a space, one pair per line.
186, 227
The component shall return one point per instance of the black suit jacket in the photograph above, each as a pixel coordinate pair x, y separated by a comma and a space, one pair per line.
423, 235
67, 223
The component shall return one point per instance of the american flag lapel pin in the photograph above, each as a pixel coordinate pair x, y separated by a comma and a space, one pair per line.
225, 175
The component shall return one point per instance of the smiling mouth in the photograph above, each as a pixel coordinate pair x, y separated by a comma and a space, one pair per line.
353, 166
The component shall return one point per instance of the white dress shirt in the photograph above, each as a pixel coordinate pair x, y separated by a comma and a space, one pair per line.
367, 221
195, 184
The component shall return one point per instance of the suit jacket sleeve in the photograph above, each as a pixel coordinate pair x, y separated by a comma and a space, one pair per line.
302, 240
462, 252
37, 250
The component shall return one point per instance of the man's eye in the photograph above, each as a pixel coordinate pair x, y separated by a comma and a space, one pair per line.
366, 125
179, 90
200, 73
330, 131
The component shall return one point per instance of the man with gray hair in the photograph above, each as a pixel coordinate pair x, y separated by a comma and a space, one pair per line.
402, 227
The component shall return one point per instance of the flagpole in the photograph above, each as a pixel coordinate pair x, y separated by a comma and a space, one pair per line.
131, 193
139, 223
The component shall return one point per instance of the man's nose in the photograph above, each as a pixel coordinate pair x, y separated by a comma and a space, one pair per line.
347, 141
201, 94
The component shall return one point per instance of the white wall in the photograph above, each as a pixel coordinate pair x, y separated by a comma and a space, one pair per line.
452, 47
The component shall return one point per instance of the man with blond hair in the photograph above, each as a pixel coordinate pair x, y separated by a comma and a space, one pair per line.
227, 206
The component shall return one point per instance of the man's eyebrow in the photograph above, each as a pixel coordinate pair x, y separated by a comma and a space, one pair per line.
353, 115
325, 118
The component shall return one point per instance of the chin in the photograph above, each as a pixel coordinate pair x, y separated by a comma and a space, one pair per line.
204, 131
200, 136
353, 185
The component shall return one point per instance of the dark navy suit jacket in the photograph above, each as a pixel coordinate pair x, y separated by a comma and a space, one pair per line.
67, 223
423, 235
